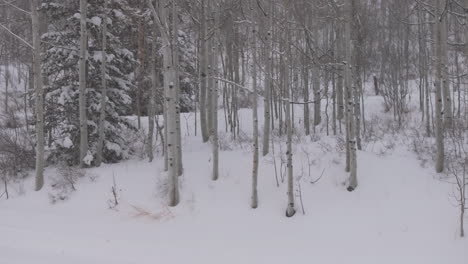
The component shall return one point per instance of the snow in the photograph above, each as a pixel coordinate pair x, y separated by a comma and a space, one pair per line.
88, 158
118, 14
67, 142
96, 21
400, 212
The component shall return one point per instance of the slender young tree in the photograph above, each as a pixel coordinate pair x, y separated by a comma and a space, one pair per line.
214, 98
176, 68
439, 131
39, 95
349, 87
82, 81
154, 87
170, 95
102, 113
268, 84
447, 101
202, 57
214, 122
254, 198
290, 211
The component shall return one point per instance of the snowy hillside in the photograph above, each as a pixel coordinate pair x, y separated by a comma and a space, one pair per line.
233, 132
400, 213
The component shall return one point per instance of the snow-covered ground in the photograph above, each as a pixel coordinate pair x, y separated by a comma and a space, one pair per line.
400, 213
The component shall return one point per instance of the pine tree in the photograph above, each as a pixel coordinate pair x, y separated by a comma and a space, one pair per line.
60, 64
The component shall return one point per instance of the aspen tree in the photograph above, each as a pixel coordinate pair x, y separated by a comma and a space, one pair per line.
350, 116
82, 81
254, 198
102, 112
39, 95
175, 66
268, 84
170, 96
438, 86
214, 100
203, 73
154, 86
290, 211
447, 101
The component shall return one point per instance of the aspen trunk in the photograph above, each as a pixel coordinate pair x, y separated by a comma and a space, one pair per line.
7, 81
214, 102
339, 86
170, 95
175, 62
39, 96
447, 101
214, 126
317, 97
203, 73
438, 87
154, 87
82, 81
351, 118
305, 76
266, 101
140, 71
290, 211
102, 114
254, 199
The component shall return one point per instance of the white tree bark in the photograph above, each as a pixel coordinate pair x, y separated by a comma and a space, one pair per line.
305, 77
267, 95
438, 86
175, 61
214, 101
290, 211
39, 96
154, 86
203, 74
351, 118
82, 81
102, 114
254, 198
214, 122
170, 96
317, 96
447, 101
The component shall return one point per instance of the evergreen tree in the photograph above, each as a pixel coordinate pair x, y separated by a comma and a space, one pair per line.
61, 65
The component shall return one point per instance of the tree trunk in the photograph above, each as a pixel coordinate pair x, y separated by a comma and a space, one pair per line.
447, 101
351, 118
267, 95
154, 87
438, 87
102, 114
339, 86
305, 76
290, 211
82, 81
170, 95
39, 96
140, 69
317, 96
254, 199
214, 125
203, 73
175, 59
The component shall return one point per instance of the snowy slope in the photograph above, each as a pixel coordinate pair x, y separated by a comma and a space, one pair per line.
400, 212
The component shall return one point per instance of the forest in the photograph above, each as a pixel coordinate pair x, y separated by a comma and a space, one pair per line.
233, 131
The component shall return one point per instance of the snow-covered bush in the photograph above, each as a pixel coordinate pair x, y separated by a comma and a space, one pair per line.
64, 181
16, 153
